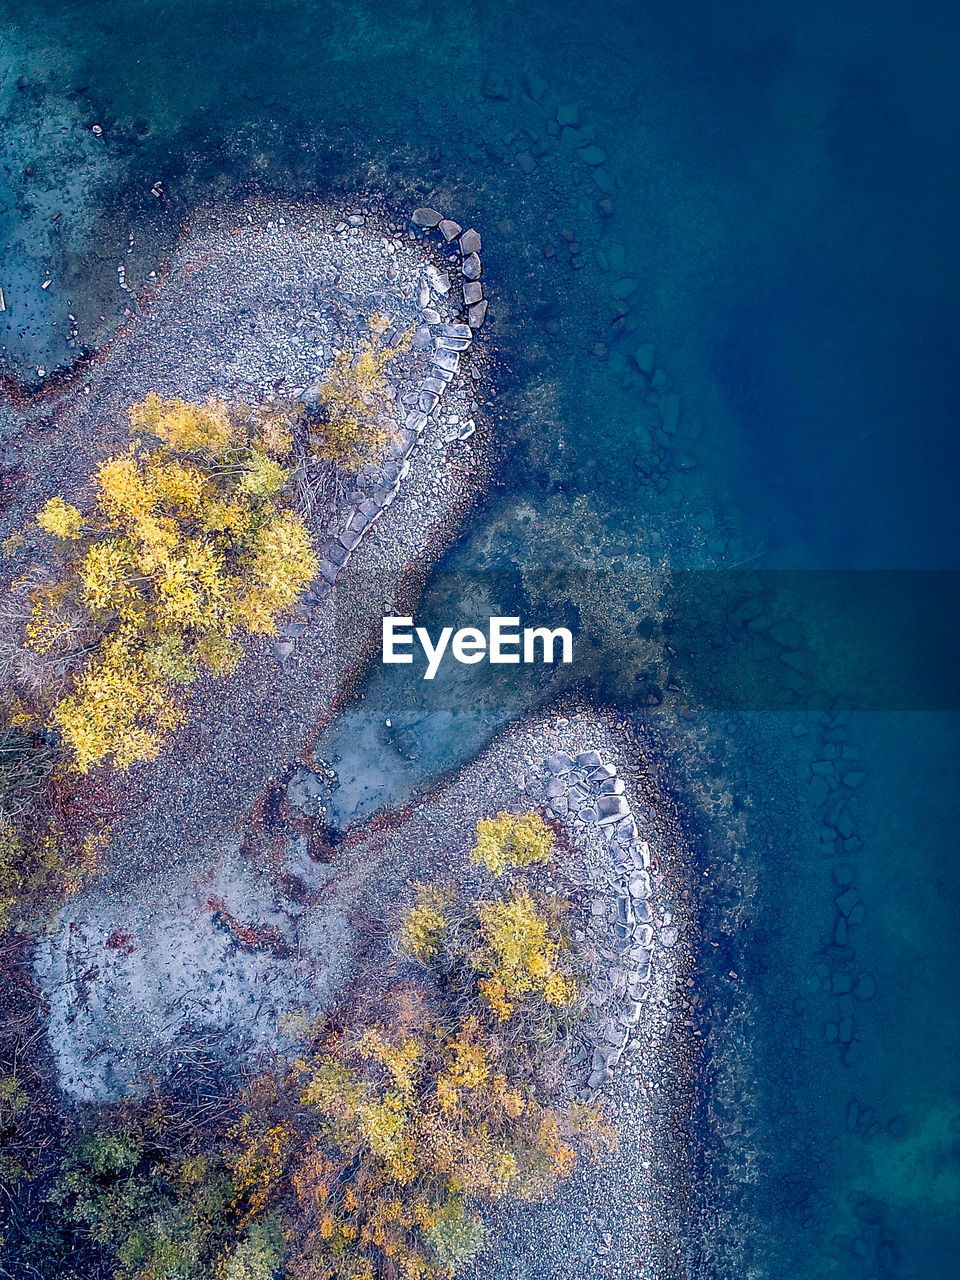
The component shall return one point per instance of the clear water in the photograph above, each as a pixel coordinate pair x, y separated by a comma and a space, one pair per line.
783, 185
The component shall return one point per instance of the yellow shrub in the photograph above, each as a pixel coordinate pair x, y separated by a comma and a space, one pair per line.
518, 955
351, 397
512, 840
179, 559
186, 428
61, 519
422, 930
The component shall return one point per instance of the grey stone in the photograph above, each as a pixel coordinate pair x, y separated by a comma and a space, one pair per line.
641, 962
422, 337
430, 316
471, 267
433, 384
622, 289
477, 314
865, 987
472, 291
847, 901
630, 1013
668, 936
592, 155
599, 1077
453, 344
612, 1034
428, 401
611, 809
589, 815
438, 373
467, 430
415, 421
627, 830
639, 884
449, 229
612, 787
369, 508
359, 521
350, 538
555, 788
624, 911
427, 217
643, 936
589, 760
328, 571
470, 242
335, 553
494, 85
641, 911
455, 331
559, 763
448, 360
602, 772
670, 412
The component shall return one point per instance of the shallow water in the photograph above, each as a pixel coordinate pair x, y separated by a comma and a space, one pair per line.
783, 193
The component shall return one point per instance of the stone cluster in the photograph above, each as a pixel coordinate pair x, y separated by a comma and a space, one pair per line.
449, 342
584, 791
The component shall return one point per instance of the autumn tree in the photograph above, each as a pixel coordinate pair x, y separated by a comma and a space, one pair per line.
187, 549
158, 1197
383, 1142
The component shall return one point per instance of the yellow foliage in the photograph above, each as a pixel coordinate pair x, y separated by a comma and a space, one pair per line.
180, 558
120, 707
401, 1061
60, 519
185, 428
422, 930
518, 955
258, 1163
402, 1125
512, 840
352, 395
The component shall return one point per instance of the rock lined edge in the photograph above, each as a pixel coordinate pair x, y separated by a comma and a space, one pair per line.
585, 791
450, 342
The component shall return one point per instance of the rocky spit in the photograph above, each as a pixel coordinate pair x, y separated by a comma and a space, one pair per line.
252, 309
225, 911
275, 928
623, 866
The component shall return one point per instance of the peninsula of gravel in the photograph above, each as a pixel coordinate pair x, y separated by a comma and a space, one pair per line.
223, 937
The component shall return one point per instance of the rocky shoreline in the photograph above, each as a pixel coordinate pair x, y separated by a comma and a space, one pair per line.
633, 1048
228, 843
253, 308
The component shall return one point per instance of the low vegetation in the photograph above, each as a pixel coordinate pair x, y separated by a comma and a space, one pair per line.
187, 548
512, 840
433, 1093
352, 400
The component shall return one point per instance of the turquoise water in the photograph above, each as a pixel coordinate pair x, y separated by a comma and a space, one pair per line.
770, 237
